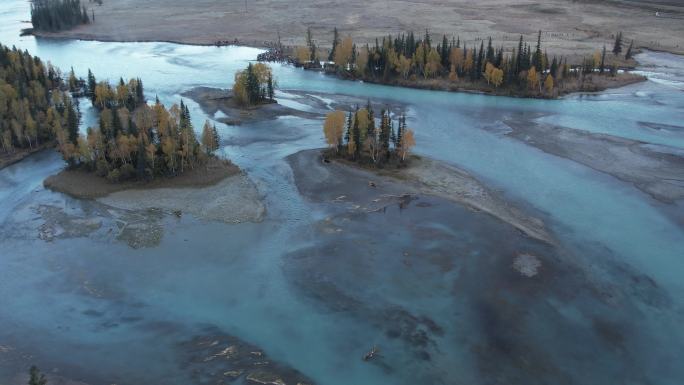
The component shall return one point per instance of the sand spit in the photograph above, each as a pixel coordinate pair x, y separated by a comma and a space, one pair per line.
321, 180
654, 169
446, 181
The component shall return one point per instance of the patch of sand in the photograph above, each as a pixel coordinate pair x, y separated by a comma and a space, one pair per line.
441, 179
233, 200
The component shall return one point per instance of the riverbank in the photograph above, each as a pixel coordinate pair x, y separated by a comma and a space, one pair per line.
591, 84
22, 153
86, 185
328, 181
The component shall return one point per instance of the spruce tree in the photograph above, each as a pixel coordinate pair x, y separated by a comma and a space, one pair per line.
519, 59
537, 60
336, 40
92, 83
617, 47
628, 54
356, 136
35, 377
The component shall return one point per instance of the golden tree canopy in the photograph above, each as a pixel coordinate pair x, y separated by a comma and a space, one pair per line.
343, 52
333, 128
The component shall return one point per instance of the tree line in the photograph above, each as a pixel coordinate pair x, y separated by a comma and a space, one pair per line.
406, 58
132, 140
56, 15
35, 104
356, 137
135, 140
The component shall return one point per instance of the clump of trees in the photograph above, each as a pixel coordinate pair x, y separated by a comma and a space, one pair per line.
254, 85
35, 105
144, 143
358, 137
56, 15
407, 59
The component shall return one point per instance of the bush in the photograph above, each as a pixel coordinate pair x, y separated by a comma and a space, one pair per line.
102, 167
126, 171
114, 175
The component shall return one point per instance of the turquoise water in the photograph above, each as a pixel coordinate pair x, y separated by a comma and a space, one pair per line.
95, 309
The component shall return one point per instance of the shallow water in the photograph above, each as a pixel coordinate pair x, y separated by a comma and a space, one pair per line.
92, 308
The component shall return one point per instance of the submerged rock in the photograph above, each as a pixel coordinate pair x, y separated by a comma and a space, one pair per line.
527, 265
217, 357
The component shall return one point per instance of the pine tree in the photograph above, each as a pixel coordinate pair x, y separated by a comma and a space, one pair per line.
519, 59
602, 66
92, 83
356, 136
35, 377
444, 53
628, 55
537, 60
72, 121
617, 47
335, 42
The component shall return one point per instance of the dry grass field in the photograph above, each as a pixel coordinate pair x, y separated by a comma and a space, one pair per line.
569, 27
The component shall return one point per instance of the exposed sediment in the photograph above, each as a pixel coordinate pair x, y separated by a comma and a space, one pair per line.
654, 169
217, 191
423, 176
233, 200
213, 100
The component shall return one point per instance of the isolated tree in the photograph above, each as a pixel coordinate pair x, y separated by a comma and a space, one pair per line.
36, 377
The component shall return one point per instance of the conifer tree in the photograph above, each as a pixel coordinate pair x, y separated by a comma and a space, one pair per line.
617, 47
336, 40
537, 60
628, 54
36, 377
